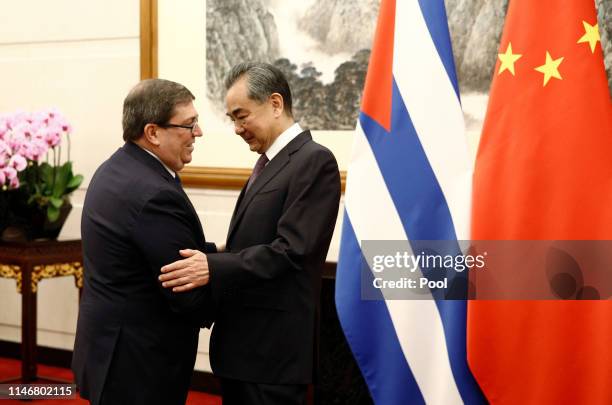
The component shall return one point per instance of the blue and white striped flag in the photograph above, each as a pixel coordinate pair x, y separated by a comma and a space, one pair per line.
409, 179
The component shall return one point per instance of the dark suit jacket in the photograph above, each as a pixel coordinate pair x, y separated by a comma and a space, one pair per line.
267, 287
135, 339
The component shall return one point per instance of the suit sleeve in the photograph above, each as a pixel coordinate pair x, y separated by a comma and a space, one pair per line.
162, 228
210, 247
303, 231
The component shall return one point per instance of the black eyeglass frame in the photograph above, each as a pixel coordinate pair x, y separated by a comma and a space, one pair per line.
191, 127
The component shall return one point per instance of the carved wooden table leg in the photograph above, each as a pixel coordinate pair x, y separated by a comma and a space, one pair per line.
28, 328
28, 263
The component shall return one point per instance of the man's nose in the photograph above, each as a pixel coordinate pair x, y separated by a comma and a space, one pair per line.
238, 128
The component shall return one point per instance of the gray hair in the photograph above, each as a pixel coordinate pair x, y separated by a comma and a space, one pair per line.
151, 101
263, 79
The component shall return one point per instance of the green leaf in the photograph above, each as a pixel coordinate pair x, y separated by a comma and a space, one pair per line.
74, 183
46, 176
52, 213
62, 175
56, 202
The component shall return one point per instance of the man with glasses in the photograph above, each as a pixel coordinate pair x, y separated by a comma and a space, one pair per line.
266, 286
136, 342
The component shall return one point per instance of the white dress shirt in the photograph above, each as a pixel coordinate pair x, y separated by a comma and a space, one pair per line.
283, 140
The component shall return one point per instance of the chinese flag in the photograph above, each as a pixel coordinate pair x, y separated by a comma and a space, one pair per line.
544, 172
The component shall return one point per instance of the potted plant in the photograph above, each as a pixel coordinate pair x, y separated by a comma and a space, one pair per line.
35, 178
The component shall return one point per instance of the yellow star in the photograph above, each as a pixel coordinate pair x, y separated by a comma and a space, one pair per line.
550, 68
507, 60
591, 35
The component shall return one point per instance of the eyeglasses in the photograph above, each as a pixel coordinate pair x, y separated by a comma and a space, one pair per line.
191, 127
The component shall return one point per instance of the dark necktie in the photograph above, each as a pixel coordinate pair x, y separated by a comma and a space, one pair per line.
179, 184
177, 180
259, 166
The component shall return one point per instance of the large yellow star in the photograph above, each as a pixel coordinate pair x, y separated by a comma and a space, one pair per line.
507, 60
591, 35
550, 68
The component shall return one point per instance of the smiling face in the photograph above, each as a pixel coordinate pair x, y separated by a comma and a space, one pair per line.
255, 122
175, 145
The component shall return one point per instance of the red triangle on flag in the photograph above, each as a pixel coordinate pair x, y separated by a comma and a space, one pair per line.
378, 87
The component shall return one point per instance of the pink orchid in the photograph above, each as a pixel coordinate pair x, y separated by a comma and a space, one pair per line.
17, 118
4, 148
10, 172
61, 122
27, 137
28, 151
36, 149
35, 127
53, 112
40, 133
18, 162
40, 116
67, 128
53, 136
14, 183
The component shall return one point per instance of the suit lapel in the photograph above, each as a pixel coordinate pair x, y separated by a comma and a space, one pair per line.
271, 170
266, 175
234, 214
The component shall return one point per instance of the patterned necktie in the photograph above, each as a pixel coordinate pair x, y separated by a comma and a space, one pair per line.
259, 166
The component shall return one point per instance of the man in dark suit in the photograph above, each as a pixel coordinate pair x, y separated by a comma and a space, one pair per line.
266, 286
136, 342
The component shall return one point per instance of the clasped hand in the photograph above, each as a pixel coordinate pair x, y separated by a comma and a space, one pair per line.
186, 274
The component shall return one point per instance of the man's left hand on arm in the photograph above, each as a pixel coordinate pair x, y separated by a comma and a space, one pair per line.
186, 274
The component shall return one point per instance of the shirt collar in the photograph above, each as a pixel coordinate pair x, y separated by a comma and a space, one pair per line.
172, 173
283, 140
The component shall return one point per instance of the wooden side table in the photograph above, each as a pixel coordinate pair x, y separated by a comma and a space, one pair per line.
28, 263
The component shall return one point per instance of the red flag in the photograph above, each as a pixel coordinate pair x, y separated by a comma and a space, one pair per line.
544, 171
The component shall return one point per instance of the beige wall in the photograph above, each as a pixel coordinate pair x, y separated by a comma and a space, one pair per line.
66, 54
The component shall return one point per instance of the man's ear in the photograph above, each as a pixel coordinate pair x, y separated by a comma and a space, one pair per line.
150, 134
277, 104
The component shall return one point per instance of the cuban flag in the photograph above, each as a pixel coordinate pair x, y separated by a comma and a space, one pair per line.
409, 180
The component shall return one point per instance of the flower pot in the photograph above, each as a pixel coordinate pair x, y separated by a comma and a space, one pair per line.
25, 222
41, 228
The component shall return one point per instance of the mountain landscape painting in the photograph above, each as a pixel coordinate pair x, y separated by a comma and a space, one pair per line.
323, 46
